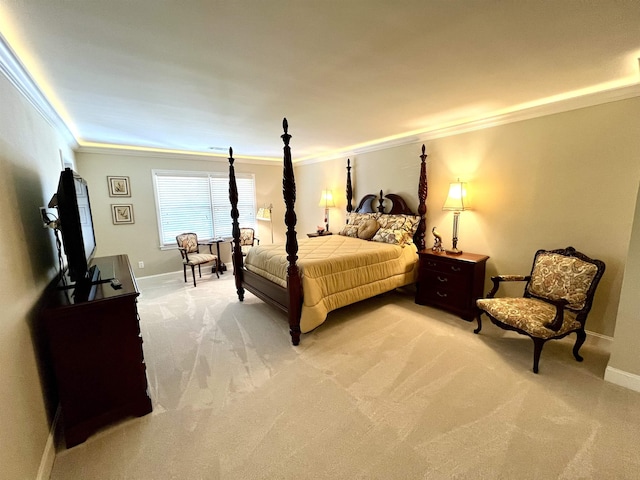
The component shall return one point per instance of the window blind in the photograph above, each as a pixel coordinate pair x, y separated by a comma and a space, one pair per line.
199, 202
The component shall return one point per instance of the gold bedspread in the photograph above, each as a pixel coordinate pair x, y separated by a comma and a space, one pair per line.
336, 271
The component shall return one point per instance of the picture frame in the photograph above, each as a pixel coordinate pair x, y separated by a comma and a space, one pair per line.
119, 186
122, 214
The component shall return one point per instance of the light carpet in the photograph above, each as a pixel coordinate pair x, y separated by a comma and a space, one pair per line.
384, 389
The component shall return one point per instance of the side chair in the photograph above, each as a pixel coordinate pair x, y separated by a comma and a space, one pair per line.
191, 256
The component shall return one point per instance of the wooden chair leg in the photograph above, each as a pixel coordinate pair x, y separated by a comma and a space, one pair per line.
477, 330
582, 336
537, 350
193, 273
184, 270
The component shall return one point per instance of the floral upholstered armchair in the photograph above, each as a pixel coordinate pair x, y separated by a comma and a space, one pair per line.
557, 299
191, 256
247, 240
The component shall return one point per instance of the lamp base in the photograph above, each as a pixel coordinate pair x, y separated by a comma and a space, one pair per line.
454, 251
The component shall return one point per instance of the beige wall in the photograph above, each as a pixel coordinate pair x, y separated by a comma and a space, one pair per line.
141, 240
30, 165
559, 180
625, 355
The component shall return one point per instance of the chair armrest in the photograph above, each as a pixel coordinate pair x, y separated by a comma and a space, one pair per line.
556, 323
183, 253
497, 279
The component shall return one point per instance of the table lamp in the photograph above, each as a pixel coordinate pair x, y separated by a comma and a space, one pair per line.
326, 201
457, 202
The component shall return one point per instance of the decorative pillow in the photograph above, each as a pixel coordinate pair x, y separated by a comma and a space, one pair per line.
388, 235
358, 218
349, 230
354, 220
406, 223
367, 229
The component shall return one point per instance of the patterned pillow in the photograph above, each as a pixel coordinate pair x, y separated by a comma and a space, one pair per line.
558, 277
367, 229
349, 230
406, 223
389, 235
358, 218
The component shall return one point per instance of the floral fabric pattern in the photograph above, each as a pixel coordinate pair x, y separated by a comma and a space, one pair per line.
188, 241
246, 236
529, 314
388, 235
557, 277
397, 229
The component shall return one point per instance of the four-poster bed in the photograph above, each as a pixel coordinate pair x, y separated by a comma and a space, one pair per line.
308, 278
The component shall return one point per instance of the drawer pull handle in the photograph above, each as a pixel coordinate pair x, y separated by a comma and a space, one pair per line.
431, 264
442, 295
443, 280
455, 269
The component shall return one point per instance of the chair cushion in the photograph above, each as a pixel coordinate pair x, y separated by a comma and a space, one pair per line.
558, 277
529, 315
198, 258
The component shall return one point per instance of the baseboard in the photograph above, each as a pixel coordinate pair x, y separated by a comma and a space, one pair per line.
599, 339
622, 378
49, 454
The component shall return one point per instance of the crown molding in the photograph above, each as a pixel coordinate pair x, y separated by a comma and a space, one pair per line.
173, 154
17, 74
488, 121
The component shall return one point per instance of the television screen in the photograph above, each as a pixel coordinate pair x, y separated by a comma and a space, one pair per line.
76, 225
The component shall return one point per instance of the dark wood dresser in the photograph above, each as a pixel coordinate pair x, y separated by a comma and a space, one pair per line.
451, 282
96, 349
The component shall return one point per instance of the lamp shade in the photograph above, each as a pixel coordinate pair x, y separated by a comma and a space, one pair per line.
326, 199
264, 213
457, 198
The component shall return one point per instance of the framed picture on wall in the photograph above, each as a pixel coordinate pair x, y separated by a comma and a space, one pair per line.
122, 214
119, 186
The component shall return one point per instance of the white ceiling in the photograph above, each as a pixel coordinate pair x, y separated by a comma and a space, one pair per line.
194, 74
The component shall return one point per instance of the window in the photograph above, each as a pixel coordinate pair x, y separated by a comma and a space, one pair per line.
199, 202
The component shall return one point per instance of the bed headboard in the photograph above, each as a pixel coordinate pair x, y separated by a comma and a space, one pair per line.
398, 205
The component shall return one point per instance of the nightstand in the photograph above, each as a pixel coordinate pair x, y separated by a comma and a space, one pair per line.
451, 282
316, 234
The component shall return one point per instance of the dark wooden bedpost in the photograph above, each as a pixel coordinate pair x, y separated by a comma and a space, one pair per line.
236, 254
422, 198
349, 188
294, 285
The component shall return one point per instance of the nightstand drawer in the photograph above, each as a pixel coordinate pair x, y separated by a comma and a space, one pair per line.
443, 279
451, 282
445, 297
444, 266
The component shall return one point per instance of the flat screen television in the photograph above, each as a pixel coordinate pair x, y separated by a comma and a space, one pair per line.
76, 226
